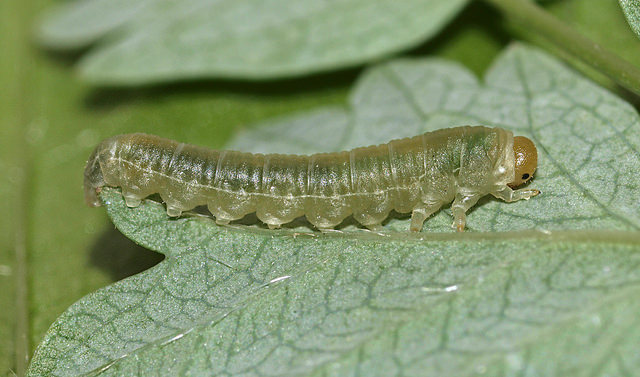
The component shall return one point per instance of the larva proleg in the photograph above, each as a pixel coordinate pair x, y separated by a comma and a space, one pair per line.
417, 175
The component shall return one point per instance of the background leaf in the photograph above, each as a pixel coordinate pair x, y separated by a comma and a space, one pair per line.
631, 10
252, 301
160, 40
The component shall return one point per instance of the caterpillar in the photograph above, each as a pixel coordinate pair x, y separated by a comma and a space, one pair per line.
417, 175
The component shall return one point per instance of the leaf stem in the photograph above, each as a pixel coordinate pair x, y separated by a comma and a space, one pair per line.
535, 18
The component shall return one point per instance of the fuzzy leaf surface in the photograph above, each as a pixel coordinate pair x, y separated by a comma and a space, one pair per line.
631, 10
160, 40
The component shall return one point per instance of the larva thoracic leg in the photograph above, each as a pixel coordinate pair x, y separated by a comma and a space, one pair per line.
509, 195
416, 175
461, 204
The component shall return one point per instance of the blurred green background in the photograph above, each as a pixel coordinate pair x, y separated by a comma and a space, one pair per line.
54, 249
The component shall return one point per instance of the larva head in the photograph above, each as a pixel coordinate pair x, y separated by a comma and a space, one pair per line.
526, 160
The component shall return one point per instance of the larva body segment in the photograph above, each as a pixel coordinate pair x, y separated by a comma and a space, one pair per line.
417, 175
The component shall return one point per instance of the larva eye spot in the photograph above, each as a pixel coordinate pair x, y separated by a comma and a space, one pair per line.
526, 160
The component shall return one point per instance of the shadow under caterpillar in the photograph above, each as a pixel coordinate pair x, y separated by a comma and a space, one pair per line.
417, 175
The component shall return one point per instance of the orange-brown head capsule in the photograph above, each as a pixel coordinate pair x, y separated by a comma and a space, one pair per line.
526, 160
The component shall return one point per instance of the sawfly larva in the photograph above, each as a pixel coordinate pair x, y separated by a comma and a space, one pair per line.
416, 175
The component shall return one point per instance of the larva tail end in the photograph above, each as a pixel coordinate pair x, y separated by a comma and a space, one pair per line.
93, 178
91, 196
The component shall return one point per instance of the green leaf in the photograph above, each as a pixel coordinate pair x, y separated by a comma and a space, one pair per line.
631, 10
161, 40
561, 299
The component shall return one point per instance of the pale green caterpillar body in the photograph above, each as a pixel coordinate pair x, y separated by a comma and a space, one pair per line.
417, 175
